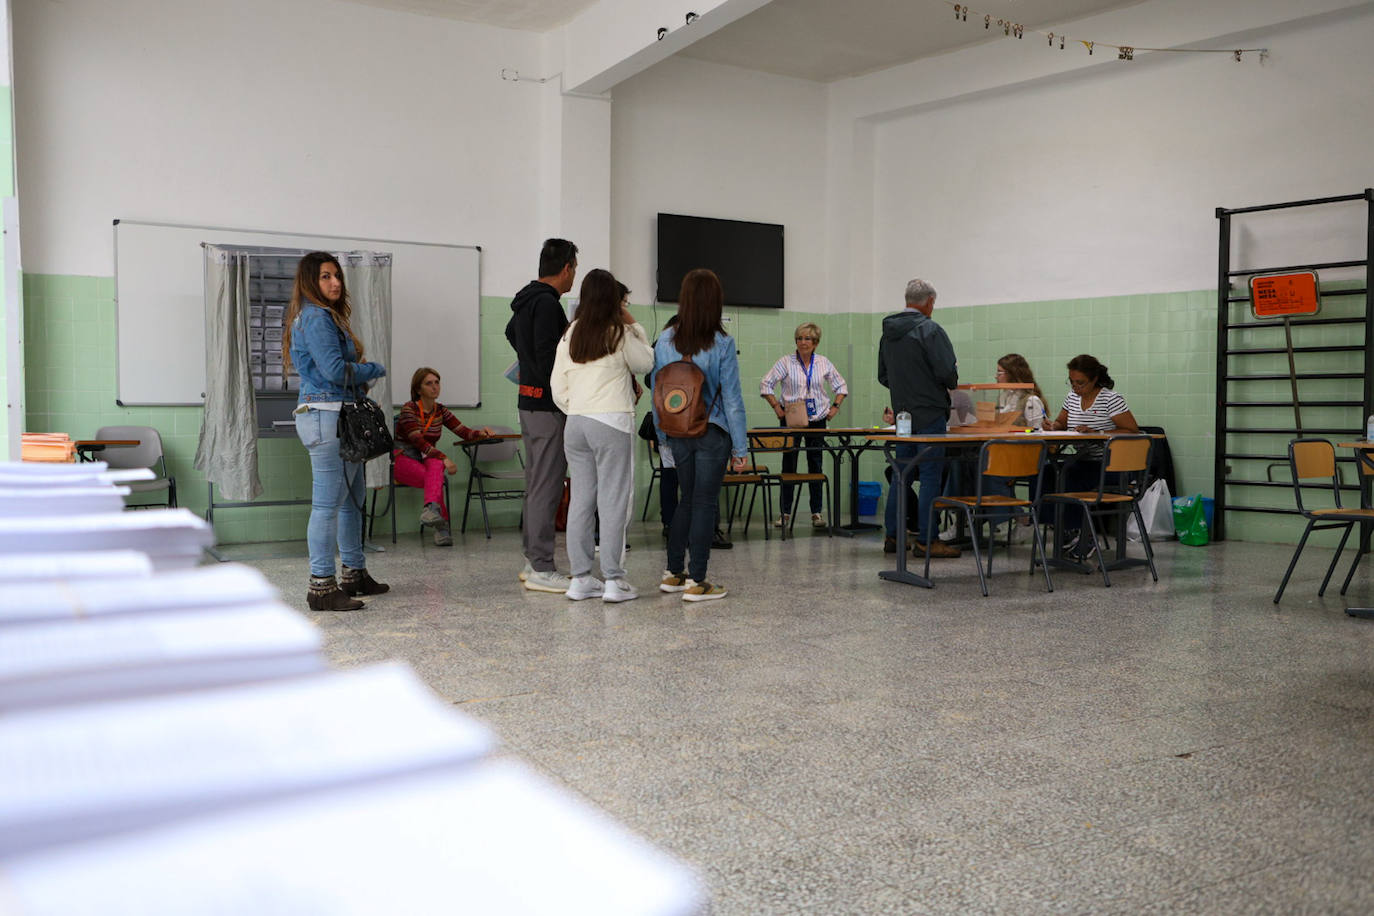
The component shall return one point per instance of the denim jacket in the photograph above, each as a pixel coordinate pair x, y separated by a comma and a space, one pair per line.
720, 364
319, 353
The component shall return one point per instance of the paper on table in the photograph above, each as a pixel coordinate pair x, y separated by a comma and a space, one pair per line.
92, 564
489, 838
83, 771
1050, 432
202, 587
46, 664
171, 537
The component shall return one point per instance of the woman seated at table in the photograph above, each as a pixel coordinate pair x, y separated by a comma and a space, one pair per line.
1091, 406
418, 462
802, 377
1019, 406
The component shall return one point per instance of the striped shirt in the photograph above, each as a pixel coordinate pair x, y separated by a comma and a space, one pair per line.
790, 374
417, 431
1100, 416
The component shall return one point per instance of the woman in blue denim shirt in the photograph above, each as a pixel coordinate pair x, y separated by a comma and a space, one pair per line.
320, 344
701, 462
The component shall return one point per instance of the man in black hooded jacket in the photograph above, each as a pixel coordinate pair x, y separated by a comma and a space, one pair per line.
537, 323
916, 362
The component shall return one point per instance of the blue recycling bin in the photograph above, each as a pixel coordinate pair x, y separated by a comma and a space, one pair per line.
869, 493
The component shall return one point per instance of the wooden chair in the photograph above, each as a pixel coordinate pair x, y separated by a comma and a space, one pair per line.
783, 443
735, 483
1126, 460
1013, 460
1313, 460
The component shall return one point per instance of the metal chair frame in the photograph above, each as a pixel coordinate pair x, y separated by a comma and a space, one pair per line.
1012, 459
1315, 459
498, 450
1128, 457
781, 443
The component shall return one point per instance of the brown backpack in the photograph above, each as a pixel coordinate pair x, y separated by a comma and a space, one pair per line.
682, 410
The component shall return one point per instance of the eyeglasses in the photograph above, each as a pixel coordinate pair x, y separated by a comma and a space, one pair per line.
800, 339
1081, 384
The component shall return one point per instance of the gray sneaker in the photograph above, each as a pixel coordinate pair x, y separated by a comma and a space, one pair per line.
431, 514
443, 537
527, 571
550, 581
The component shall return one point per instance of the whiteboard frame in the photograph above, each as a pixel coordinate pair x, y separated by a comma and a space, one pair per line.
399, 389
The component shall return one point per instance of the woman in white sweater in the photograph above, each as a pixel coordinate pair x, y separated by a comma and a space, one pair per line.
593, 383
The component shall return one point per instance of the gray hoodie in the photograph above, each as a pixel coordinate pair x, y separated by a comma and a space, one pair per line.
916, 363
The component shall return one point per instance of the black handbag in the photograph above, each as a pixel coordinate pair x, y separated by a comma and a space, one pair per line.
364, 431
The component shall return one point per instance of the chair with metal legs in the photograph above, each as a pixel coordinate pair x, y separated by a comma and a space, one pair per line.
999, 459
1313, 463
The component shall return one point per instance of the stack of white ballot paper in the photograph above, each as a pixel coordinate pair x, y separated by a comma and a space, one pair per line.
171, 538
45, 664
225, 585
172, 741
48, 569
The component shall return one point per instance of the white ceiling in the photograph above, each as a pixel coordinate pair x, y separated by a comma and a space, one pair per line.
820, 40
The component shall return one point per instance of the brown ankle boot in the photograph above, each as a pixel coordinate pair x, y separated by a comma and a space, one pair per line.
325, 595
359, 582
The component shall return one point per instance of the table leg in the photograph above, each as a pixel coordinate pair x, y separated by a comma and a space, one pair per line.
901, 473
845, 449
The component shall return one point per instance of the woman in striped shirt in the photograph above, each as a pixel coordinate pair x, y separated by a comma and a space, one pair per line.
802, 377
1091, 406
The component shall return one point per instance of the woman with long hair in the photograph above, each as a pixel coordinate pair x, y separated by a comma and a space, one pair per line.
1091, 406
593, 383
1019, 406
319, 342
418, 461
700, 337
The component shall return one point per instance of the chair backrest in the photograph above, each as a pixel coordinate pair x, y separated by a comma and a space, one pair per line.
502, 450
147, 454
1313, 460
1129, 456
655, 459
769, 443
1010, 458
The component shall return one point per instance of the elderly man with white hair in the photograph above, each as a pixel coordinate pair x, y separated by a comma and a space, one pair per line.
916, 363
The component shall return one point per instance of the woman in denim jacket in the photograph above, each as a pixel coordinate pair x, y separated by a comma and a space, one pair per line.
700, 335
320, 344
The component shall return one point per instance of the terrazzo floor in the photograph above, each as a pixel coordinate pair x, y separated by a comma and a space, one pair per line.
822, 741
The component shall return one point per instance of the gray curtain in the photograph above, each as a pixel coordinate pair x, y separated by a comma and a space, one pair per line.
368, 276
228, 449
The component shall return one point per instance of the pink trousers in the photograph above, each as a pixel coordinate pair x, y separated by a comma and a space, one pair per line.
428, 475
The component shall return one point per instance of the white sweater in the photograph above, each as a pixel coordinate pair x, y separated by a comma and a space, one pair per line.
602, 385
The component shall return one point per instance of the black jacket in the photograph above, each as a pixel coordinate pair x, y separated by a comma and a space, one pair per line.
916, 362
534, 330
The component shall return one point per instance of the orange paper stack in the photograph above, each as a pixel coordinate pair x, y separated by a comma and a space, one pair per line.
51, 447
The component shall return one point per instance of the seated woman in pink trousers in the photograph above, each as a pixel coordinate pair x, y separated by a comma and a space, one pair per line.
418, 463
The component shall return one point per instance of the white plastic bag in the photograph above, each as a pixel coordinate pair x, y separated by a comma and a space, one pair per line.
1157, 508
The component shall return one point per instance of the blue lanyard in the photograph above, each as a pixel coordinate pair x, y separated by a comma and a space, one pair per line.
806, 392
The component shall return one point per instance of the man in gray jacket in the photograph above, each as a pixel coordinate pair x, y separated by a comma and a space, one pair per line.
916, 363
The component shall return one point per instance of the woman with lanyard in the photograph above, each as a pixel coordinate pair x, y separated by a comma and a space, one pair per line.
318, 341
801, 376
1091, 406
418, 463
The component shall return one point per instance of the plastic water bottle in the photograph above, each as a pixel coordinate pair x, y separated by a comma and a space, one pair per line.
904, 423
1369, 429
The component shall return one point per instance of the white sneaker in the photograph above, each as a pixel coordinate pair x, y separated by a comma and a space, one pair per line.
527, 571
949, 534
782, 520
583, 587
817, 520
551, 581
619, 590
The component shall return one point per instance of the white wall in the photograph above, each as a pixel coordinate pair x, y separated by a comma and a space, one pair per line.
1102, 179
707, 140
1106, 182
311, 116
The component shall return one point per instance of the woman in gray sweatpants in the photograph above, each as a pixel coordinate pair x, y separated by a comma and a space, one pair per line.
593, 383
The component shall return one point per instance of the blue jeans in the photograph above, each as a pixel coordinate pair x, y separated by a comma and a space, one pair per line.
700, 470
336, 493
929, 471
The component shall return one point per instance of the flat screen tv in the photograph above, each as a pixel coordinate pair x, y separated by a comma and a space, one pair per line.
746, 256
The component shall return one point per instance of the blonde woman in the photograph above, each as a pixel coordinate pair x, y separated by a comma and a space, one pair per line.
801, 376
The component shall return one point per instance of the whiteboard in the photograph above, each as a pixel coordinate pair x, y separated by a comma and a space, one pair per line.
160, 309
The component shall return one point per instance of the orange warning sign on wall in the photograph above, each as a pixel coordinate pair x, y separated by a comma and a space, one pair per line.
1284, 295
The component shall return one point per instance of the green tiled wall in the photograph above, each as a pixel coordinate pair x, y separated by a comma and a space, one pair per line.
1160, 349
